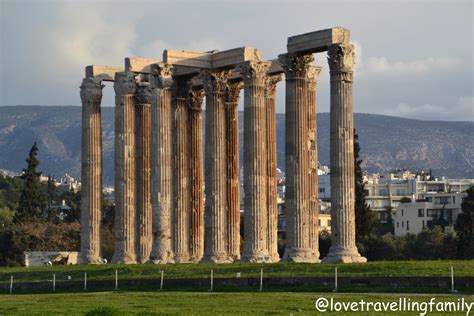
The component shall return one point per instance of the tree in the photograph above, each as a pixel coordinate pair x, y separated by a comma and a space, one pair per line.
32, 200
366, 220
465, 226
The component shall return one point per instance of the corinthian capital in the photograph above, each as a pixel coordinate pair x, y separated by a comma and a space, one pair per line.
271, 82
253, 72
341, 57
125, 83
143, 93
215, 81
233, 91
91, 90
161, 75
296, 66
313, 76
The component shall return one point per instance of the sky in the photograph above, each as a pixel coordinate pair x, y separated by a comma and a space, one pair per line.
414, 58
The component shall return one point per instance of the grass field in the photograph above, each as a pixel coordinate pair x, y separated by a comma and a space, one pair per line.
175, 271
176, 303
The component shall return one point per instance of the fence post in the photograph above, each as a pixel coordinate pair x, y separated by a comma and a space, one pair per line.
335, 279
212, 280
452, 280
11, 284
116, 279
261, 280
85, 281
54, 282
161, 282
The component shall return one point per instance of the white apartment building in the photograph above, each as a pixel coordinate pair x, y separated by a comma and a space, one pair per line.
413, 217
386, 191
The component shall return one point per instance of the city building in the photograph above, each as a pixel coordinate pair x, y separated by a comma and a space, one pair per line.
433, 208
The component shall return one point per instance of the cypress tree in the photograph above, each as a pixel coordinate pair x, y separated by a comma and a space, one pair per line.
32, 201
366, 220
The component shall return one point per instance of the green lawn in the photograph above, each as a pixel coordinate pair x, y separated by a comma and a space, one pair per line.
193, 303
174, 271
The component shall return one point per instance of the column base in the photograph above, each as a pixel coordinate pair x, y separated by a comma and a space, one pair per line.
275, 258
195, 259
162, 258
344, 255
89, 259
300, 255
124, 259
143, 260
256, 257
219, 258
182, 259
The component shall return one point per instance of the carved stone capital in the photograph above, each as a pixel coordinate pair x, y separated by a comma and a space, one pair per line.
161, 75
91, 90
313, 76
143, 93
125, 83
271, 82
341, 57
253, 72
215, 81
296, 66
233, 91
196, 98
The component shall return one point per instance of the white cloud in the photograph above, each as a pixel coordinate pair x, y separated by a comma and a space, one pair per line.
462, 110
381, 65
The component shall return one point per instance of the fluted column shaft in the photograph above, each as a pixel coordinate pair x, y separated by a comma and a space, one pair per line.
233, 169
313, 76
125, 169
143, 144
196, 233
162, 164
216, 237
297, 158
343, 246
91, 171
255, 162
181, 174
272, 196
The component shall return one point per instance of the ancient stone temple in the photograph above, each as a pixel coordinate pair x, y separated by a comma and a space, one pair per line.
178, 195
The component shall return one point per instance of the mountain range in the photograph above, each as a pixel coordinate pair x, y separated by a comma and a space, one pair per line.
445, 147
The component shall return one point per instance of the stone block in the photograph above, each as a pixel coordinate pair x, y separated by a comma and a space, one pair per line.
139, 65
230, 58
318, 41
187, 58
102, 73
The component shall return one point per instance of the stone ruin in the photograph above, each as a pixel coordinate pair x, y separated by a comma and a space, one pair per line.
172, 203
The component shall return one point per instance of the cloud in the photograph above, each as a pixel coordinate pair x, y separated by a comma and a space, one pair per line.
381, 65
462, 110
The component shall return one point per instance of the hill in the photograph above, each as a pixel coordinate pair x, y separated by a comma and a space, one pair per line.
386, 142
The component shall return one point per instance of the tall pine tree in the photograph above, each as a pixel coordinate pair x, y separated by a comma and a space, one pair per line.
32, 201
366, 220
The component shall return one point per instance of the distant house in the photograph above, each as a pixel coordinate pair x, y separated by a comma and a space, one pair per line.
430, 209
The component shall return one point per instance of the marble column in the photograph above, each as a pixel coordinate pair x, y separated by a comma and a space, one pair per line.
313, 75
143, 144
215, 220
162, 164
343, 247
91, 171
272, 193
255, 162
125, 169
196, 233
296, 69
181, 212
233, 169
